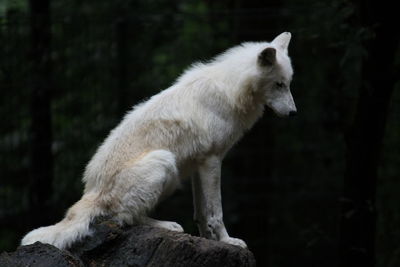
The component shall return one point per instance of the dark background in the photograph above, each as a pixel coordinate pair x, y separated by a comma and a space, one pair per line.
317, 190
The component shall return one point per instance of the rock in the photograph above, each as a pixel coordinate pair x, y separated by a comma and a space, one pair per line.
39, 255
137, 246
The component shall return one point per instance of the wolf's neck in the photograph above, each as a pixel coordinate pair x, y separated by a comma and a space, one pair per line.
241, 90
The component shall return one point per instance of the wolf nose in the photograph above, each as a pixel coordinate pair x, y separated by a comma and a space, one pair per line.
292, 113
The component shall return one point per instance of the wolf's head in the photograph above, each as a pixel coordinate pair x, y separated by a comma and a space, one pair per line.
276, 75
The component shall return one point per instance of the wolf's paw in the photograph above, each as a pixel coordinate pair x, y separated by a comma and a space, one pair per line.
172, 226
234, 241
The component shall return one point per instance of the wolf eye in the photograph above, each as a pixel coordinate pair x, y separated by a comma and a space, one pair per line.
279, 84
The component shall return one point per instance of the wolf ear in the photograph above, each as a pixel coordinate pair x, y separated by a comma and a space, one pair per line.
282, 40
267, 57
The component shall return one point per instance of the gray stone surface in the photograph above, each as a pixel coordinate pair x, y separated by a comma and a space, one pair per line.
138, 246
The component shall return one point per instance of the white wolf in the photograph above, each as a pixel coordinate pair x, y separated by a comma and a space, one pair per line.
186, 128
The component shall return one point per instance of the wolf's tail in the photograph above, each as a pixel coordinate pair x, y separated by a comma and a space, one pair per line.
72, 228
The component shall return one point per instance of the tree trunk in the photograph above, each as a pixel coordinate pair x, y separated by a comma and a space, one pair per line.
254, 182
41, 130
122, 68
364, 139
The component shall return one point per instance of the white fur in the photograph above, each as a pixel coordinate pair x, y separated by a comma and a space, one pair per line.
186, 128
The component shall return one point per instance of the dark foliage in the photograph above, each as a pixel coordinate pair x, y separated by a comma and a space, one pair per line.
288, 187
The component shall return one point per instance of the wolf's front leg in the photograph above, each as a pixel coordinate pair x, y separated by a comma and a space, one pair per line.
207, 202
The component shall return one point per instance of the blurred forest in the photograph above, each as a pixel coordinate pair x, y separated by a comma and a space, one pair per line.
317, 190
